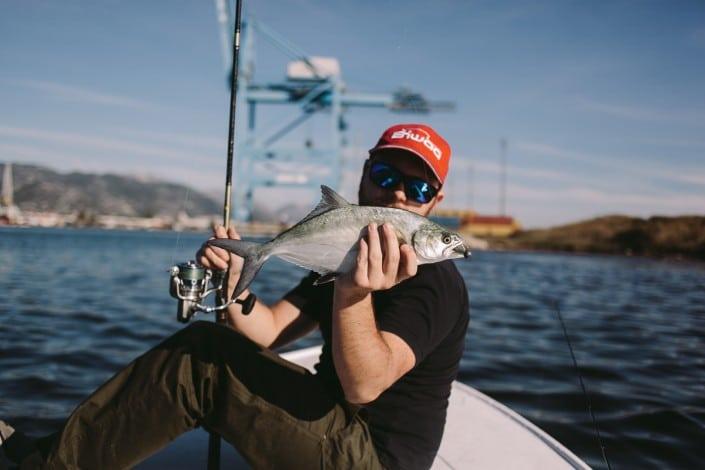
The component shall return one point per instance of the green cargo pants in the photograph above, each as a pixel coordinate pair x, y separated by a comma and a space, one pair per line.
277, 414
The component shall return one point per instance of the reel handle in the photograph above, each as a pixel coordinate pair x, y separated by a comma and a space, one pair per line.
248, 303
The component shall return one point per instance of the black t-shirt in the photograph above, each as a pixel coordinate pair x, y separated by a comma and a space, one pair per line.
430, 312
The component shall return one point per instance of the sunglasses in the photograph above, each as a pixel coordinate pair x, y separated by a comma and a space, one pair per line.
386, 176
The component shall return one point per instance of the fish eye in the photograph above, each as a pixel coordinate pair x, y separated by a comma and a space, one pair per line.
446, 238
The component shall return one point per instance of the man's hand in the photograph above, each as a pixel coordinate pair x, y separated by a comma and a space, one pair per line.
381, 263
267, 326
216, 258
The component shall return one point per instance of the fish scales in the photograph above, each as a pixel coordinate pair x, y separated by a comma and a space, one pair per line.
326, 240
328, 243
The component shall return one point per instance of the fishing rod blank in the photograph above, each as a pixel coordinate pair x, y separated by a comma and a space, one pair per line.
213, 438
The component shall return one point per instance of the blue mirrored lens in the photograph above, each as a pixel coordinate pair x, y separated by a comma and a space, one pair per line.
420, 191
384, 175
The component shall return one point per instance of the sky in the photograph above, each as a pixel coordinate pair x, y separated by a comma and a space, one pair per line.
602, 104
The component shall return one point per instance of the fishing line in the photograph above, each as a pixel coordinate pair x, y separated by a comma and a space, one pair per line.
582, 385
187, 194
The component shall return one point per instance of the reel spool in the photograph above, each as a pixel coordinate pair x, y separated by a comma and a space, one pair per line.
189, 285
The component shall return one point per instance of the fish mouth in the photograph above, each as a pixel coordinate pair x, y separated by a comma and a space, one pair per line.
463, 250
458, 250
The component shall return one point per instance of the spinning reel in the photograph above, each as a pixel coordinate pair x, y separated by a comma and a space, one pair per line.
189, 285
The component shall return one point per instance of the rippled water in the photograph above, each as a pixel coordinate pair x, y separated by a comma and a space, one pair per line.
76, 305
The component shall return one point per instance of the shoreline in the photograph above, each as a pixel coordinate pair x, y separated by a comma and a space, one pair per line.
677, 238
492, 246
671, 259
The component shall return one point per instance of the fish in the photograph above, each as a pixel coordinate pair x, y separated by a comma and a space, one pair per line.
326, 240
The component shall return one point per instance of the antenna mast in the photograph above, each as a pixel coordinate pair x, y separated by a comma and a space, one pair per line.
503, 176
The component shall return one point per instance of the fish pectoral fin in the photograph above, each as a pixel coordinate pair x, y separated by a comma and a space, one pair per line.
325, 278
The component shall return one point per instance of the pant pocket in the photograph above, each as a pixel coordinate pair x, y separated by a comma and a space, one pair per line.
351, 447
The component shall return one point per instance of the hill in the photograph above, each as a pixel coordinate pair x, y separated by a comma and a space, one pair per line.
663, 237
38, 188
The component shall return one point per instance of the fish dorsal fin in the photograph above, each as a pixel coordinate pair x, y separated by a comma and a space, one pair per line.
329, 200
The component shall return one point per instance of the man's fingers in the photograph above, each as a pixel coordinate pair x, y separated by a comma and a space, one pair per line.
212, 251
215, 258
232, 233
408, 264
219, 232
360, 275
210, 263
220, 252
374, 268
391, 252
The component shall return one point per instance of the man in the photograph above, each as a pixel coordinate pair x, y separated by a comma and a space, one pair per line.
393, 337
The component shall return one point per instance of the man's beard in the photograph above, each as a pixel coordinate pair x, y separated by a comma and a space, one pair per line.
385, 201
367, 201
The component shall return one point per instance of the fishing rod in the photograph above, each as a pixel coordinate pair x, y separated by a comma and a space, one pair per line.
582, 385
189, 280
249, 302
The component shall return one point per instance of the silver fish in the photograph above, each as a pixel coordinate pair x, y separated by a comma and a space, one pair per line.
325, 240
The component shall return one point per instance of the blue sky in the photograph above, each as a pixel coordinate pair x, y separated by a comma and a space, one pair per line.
602, 103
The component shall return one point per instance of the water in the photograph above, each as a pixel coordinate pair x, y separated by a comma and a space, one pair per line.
76, 305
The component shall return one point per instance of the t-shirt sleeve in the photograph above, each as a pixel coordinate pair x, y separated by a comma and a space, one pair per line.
418, 312
303, 296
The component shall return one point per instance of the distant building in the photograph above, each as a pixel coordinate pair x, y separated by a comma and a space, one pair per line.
489, 225
9, 212
470, 222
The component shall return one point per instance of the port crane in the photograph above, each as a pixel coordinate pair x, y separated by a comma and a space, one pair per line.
315, 86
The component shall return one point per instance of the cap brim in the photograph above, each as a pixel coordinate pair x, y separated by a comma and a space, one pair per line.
413, 152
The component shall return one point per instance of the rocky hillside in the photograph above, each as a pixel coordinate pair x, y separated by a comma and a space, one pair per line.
672, 237
42, 189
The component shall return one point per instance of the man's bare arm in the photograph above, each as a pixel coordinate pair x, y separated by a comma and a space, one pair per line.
369, 361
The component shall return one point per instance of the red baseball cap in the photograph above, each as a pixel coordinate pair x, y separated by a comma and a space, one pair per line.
421, 140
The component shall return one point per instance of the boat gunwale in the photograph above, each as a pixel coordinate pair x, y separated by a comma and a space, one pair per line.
306, 354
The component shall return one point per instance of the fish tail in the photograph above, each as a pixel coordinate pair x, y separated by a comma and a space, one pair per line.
254, 255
